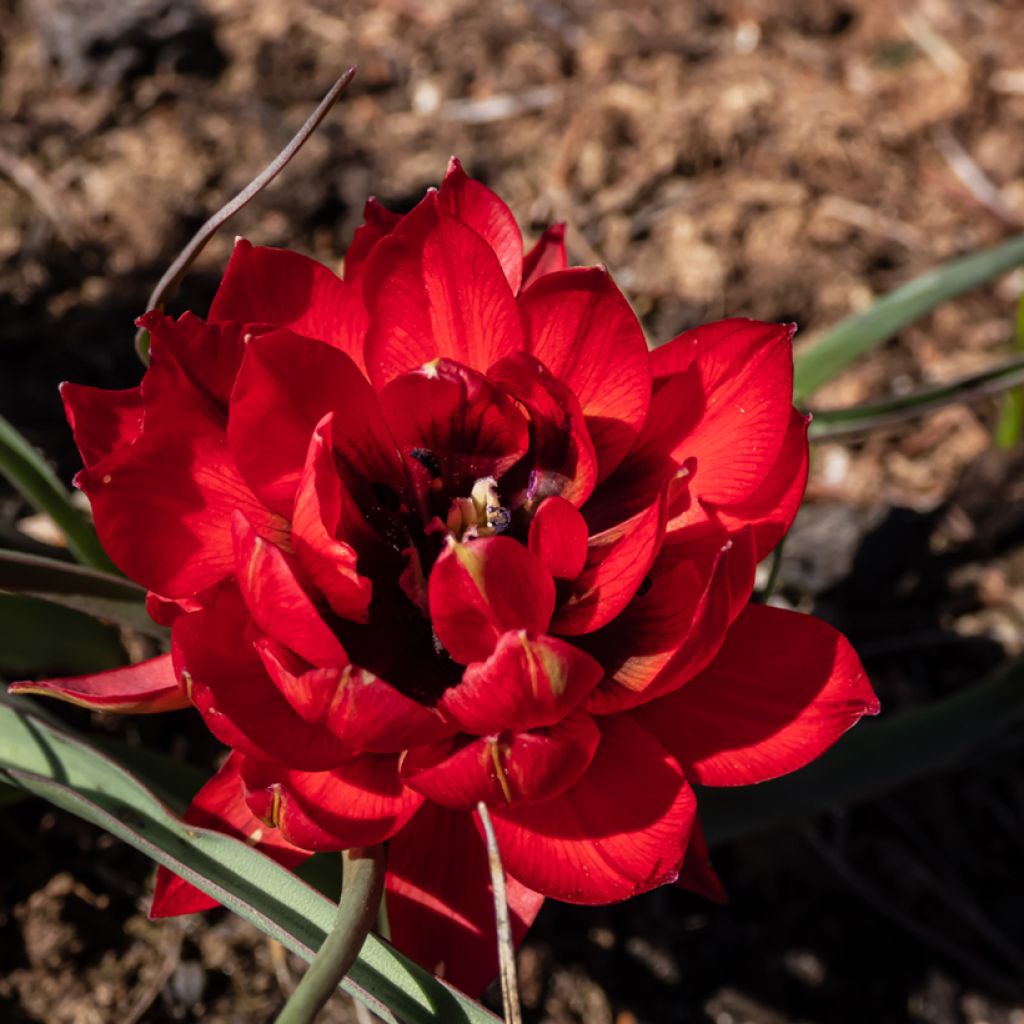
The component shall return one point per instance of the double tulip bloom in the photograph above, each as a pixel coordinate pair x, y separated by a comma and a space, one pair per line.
444, 531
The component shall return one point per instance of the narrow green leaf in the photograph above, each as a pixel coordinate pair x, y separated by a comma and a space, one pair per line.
38, 484
872, 759
1011, 413
831, 423
68, 772
38, 637
833, 351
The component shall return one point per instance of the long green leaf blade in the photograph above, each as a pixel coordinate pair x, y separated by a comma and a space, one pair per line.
38, 484
857, 334
68, 772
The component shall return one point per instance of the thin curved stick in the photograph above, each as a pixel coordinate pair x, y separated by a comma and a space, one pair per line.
168, 284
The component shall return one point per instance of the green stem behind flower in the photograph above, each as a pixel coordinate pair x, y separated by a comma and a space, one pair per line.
361, 890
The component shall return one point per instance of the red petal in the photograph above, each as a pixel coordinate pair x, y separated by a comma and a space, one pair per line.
143, 689
558, 537
579, 325
101, 420
506, 769
618, 559
276, 600
163, 507
479, 208
215, 659
439, 899
286, 385
773, 506
669, 634
434, 289
454, 414
562, 458
219, 805
546, 256
361, 803
697, 874
528, 682
378, 221
622, 829
677, 355
783, 689
286, 289
320, 503
482, 588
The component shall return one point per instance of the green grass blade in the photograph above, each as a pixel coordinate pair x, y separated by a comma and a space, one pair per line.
38, 484
837, 348
874, 758
65, 770
1011, 412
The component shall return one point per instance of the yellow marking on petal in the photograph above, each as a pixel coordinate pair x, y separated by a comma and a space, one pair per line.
472, 563
531, 663
186, 678
430, 369
255, 838
554, 669
499, 771
275, 806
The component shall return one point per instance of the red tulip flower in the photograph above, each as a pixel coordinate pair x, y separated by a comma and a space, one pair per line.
444, 531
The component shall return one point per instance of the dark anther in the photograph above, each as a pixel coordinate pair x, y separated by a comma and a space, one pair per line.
428, 460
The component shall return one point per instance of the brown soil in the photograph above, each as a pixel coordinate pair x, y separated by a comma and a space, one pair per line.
788, 161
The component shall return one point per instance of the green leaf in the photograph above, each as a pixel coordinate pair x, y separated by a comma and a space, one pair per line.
875, 757
1011, 413
65, 770
831, 423
38, 637
38, 484
96, 593
833, 351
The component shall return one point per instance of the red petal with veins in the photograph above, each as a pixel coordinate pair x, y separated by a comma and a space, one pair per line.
143, 689
285, 387
781, 691
440, 904
622, 829
277, 600
546, 256
558, 537
482, 588
528, 682
286, 289
102, 421
215, 659
434, 288
361, 803
579, 325
321, 503
480, 209
506, 769
220, 806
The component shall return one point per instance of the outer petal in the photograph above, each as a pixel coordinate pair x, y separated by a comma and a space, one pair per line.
458, 420
697, 874
440, 904
361, 803
482, 588
286, 289
620, 830
546, 256
143, 689
479, 208
332, 564
528, 682
781, 691
219, 805
215, 659
503, 770
579, 325
434, 288
285, 387
277, 601
558, 537
101, 420
617, 562
378, 221
163, 507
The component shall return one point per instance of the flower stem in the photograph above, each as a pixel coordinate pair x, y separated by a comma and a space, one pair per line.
362, 885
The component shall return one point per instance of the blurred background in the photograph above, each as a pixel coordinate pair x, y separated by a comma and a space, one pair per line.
785, 161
